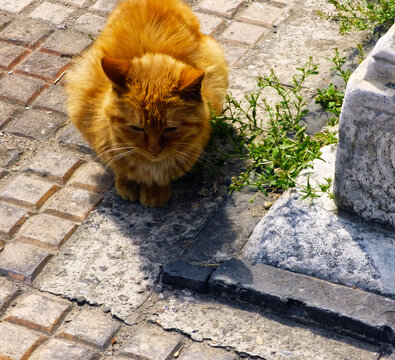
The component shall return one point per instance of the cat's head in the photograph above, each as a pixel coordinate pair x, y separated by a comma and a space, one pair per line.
156, 106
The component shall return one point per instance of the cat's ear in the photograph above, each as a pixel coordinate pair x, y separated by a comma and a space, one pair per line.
116, 70
190, 83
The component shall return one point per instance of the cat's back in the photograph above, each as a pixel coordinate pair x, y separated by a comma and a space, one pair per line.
140, 26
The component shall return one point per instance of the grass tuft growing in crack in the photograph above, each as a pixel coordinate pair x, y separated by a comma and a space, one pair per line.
270, 136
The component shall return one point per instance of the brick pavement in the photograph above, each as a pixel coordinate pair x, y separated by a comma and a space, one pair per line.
48, 187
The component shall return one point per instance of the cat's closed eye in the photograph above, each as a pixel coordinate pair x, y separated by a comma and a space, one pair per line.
136, 128
170, 129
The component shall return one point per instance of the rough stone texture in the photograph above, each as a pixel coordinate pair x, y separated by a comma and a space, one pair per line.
6, 112
60, 349
11, 218
137, 241
27, 32
90, 24
150, 344
8, 291
183, 274
27, 88
199, 352
22, 261
10, 54
226, 9
261, 14
8, 155
104, 5
38, 312
27, 192
208, 23
242, 33
72, 139
315, 239
73, 204
47, 231
14, 6
54, 166
248, 330
67, 42
44, 66
17, 343
94, 177
51, 12
92, 327
301, 297
36, 124
53, 98
365, 164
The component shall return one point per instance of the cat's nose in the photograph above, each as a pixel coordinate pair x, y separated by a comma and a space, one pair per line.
155, 150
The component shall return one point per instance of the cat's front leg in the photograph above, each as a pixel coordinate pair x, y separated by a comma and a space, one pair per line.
154, 195
126, 189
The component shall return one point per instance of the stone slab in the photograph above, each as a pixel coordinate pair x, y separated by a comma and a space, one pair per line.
365, 164
183, 274
318, 240
307, 299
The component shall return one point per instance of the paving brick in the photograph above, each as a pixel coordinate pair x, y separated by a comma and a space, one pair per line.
151, 344
20, 88
2, 173
73, 204
51, 12
54, 166
8, 291
8, 155
54, 98
47, 231
75, 2
11, 218
60, 349
44, 66
90, 23
91, 326
22, 261
233, 53
209, 23
39, 312
27, 192
36, 124
65, 41
105, 5
224, 8
17, 343
261, 14
72, 139
197, 351
26, 32
6, 112
14, 6
94, 177
5, 18
243, 33
10, 54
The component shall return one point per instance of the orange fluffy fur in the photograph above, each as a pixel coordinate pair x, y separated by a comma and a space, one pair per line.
141, 95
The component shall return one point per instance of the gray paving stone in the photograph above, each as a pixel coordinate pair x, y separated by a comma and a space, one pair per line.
64, 350
198, 351
14, 6
363, 314
8, 291
73, 140
6, 112
105, 5
11, 218
66, 41
27, 32
51, 12
36, 124
90, 23
54, 98
91, 326
147, 344
183, 274
39, 312
17, 343
8, 155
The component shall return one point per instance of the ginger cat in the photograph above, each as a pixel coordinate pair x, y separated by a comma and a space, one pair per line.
141, 95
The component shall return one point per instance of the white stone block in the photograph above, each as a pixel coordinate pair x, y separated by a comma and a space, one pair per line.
365, 163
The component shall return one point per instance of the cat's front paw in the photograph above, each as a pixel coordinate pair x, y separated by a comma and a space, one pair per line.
155, 195
127, 190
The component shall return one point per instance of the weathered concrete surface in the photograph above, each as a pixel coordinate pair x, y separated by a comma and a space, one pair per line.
248, 330
365, 164
314, 239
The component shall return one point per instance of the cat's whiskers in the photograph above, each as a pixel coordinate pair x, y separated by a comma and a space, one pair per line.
99, 155
119, 156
